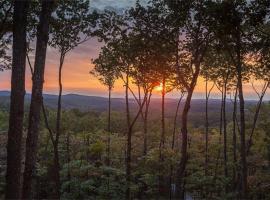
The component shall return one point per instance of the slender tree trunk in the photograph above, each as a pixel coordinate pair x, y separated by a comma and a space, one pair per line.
234, 140
56, 165
145, 123
225, 131
206, 127
242, 120
162, 139
108, 161
256, 115
36, 99
162, 136
15, 131
129, 132
220, 135
130, 125
184, 155
109, 130
175, 120
173, 141
242, 141
207, 96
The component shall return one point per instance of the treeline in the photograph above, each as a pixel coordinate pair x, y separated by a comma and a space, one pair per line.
164, 44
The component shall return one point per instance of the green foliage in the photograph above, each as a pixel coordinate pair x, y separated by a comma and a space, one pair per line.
71, 18
92, 182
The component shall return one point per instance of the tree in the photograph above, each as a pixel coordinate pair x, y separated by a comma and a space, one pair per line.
219, 69
106, 71
70, 27
207, 96
191, 54
36, 99
14, 152
259, 24
229, 24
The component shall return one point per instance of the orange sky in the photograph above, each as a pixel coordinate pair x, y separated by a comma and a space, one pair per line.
76, 77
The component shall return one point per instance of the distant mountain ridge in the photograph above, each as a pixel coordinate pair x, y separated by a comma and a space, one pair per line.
97, 103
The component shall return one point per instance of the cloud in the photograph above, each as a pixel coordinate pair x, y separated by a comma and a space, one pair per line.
102, 4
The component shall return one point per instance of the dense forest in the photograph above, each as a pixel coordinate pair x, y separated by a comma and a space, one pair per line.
138, 146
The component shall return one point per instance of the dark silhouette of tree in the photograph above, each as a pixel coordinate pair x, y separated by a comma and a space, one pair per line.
207, 96
233, 24
191, 53
107, 72
259, 24
229, 28
36, 99
14, 152
68, 31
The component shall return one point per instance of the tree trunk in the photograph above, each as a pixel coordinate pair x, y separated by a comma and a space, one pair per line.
130, 125
162, 139
145, 123
184, 156
225, 131
256, 115
206, 127
173, 141
242, 120
234, 140
220, 135
175, 120
242, 140
36, 99
129, 132
108, 162
15, 131
56, 165
162, 136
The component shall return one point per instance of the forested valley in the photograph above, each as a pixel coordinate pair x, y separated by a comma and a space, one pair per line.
144, 144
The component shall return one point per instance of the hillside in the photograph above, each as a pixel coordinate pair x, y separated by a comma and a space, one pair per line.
99, 104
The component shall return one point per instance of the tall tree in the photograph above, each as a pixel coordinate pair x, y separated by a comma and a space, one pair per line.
191, 54
107, 72
36, 98
70, 27
220, 70
207, 96
15, 132
229, 21
259, 24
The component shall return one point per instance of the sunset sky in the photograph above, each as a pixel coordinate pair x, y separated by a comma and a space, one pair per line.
76, 77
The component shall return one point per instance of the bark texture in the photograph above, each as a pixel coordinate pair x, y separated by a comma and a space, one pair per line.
15, 131
36, 99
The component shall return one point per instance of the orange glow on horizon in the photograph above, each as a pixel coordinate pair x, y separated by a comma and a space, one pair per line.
159, 88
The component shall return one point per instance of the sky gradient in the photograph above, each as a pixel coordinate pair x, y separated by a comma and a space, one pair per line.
76, 77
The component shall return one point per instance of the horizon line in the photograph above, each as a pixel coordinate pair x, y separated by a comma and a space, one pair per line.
100, 96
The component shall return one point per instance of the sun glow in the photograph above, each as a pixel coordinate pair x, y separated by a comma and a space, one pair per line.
159, 88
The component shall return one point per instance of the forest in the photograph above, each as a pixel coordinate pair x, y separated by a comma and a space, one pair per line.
144, 145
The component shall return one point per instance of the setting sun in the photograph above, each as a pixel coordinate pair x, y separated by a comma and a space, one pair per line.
159, 87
